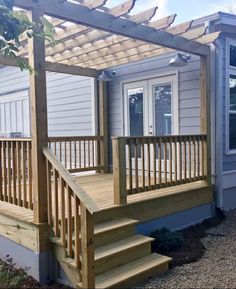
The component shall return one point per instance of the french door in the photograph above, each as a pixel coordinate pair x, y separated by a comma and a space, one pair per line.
151, 107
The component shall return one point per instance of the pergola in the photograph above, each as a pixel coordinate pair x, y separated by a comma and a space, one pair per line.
91, 37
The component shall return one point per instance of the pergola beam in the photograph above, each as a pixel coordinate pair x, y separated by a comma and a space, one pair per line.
56, 67
103, 21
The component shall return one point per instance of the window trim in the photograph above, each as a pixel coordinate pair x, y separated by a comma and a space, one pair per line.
230, 70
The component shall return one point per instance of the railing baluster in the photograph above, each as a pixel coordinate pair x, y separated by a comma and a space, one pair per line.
143, 165
75, 155
9, 199
130, 168
198, 157
13, 160
136, 166
60, 148
170, 160
49, 193
154, 163
25, 201
165, 162
180, 160
18, 153
56, 209
194, 158
176, 161
29, 168
69, 223
1, 173
70, 154
84, 150
149, 164
159, 161
189, 159
77, 231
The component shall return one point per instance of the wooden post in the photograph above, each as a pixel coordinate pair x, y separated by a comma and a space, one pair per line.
87, 246
119, 171
103, 131
39, 127
205, 109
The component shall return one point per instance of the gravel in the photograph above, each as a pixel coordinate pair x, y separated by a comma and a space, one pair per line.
216, 269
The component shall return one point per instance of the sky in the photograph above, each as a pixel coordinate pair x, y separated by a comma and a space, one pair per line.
185, 9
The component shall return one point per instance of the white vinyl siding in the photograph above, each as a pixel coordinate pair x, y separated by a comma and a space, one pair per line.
70, 99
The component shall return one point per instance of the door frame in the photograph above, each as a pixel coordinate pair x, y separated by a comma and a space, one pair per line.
146, 83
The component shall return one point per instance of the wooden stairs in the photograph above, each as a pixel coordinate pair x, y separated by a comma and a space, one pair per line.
122, 257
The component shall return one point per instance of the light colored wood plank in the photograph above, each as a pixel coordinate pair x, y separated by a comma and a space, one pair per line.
119, 171
87, 246
39, 127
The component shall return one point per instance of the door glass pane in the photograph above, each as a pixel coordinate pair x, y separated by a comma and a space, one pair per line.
136, 111
232, 85
163, 114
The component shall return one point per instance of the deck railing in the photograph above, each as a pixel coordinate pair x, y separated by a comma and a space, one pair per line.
16, 172
70, 215
146, 163
79, 153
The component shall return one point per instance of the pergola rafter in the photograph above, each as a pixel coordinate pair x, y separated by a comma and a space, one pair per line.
101, 20
92, 35
120, 46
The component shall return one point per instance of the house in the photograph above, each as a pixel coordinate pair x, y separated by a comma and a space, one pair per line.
161, 149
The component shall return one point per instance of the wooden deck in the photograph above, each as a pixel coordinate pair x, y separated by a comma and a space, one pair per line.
100, 189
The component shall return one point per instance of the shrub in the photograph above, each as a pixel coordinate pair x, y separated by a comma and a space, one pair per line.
9, 276
165, 240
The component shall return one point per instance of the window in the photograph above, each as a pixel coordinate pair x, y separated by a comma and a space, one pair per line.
232, 112
231, 99
232, 57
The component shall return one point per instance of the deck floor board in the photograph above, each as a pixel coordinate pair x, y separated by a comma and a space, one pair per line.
100, 188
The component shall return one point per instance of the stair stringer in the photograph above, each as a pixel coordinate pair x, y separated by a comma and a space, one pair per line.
72, 274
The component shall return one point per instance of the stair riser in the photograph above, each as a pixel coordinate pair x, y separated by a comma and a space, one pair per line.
114, 235
121, 258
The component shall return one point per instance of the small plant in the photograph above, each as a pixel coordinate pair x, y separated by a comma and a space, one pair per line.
165, 240
9, 276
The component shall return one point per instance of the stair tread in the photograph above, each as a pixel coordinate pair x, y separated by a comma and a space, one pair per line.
121, 245
130, 270
114, 224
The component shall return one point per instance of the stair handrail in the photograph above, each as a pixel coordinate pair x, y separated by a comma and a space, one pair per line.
87, 201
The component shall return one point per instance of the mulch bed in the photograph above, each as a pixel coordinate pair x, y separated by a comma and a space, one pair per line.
192, 248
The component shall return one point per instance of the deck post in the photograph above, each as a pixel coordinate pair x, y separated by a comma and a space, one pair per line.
39, 127
119, 171
205, 109
102, 90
